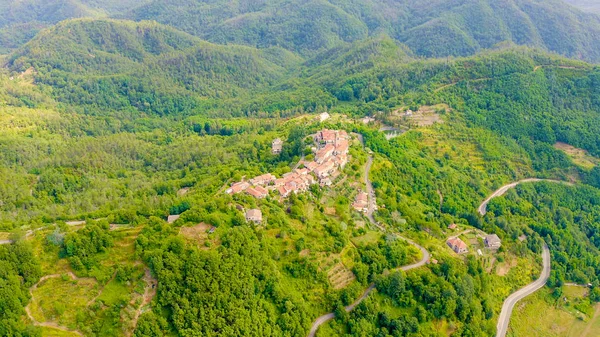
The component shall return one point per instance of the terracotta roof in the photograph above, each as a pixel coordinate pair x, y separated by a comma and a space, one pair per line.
456, 242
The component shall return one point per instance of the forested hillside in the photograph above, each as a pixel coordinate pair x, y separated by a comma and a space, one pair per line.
21, 20
120, 141
437, 29
104, 64
443, 28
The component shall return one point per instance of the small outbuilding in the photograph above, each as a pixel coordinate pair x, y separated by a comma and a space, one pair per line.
172, 218
492, 241
324, 116
254, 215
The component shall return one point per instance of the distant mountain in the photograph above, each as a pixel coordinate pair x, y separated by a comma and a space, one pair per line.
21, 20
430, 28
586, 5
147, 66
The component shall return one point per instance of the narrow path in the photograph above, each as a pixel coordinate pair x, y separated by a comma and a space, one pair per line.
5, 242
454, 236
482, 210
510, 302
49, 324
371, 209
590, 324
536, 68
149, 292
90, 302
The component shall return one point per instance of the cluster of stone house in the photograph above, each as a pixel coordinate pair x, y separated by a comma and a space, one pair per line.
331, 155
297, 181
255, 186
361, 203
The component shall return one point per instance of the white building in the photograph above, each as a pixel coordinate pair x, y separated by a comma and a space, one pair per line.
323, 117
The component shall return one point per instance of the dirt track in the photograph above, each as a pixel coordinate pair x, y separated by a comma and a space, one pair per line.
425, 254
49, 324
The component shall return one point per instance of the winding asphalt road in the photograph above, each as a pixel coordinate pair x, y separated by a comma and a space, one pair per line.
483, 207
510, 302
425, 255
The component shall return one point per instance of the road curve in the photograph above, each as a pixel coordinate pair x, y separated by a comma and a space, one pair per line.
482, 210
424, 259
510, 302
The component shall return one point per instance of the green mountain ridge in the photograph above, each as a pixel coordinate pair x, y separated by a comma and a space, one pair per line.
430, 29
145, 65
437, 29
123, 124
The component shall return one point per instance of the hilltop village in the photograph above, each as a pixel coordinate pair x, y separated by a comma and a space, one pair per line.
330, 157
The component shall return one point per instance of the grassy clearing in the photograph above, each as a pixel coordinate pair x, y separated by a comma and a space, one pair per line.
49, 255
534, 316
370, 237
593, 326
114, 292
99, 297
569, 316
60, 299
579, 156
52, 332
198, 234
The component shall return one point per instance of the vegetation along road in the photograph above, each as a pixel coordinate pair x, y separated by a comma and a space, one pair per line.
510, 302
425, 254
483, 207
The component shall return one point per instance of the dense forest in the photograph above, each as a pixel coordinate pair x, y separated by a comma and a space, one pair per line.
19, 270
564, 217
118, 139
444, 28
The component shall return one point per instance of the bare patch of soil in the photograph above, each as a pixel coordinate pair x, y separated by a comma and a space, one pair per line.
579, 156
330, 211
503, 268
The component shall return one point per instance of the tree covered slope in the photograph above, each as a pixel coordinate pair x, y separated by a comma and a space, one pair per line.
21, 20
129, 122
148, 66
440, 28
432, 29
